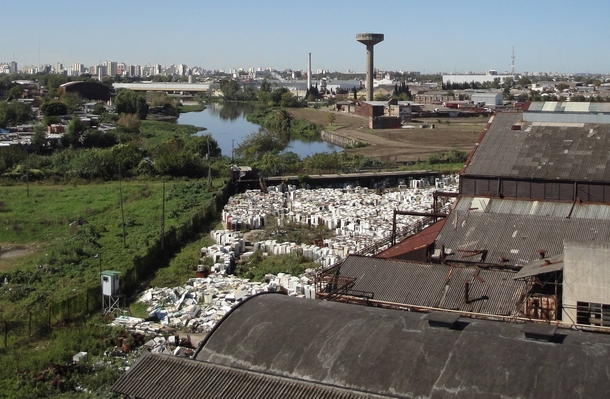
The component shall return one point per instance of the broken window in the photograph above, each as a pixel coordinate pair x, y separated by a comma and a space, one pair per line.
596, 314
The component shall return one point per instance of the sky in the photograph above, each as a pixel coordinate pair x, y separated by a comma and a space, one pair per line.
429, 36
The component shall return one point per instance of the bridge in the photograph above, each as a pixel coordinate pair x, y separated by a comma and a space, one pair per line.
174, 87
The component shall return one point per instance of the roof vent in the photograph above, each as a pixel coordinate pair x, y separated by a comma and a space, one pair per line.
539, 332
442, 319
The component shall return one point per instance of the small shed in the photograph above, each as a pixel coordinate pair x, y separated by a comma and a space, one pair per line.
110, 282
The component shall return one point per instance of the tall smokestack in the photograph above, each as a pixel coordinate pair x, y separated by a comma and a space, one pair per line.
370, 40
309, 73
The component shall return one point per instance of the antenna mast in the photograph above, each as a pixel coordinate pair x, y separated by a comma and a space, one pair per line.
512, 67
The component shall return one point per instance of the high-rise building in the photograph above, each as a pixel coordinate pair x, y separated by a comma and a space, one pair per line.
112, 68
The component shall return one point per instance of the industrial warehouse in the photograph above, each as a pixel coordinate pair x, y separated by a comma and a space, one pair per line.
504, 296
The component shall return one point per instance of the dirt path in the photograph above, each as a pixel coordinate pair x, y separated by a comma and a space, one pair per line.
401, 145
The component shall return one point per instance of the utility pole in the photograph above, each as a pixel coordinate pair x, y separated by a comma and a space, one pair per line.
209, 163
121, 202
163, 218
27, 175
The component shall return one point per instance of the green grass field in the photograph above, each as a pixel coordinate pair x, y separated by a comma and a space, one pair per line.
44, 223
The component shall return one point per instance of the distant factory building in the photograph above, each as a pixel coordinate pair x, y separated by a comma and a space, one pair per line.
487, 99
87, 90
489, 76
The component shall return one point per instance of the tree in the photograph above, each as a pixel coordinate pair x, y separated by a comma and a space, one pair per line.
71, 100
161, 101
99, 109
130, 102
562, 86
73, 133
284, 121
54, 108
331, 118
130, 123
15, 92
199, 145
288, 100
265, 86
256, 144
14, 112
269, 164
229, 88
40, 134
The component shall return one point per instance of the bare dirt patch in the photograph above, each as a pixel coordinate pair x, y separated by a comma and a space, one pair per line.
10, 254
401, 145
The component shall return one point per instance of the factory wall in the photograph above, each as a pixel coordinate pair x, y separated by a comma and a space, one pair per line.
535, 190
586, 282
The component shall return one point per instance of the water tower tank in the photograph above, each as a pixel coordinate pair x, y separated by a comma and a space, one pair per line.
110, 282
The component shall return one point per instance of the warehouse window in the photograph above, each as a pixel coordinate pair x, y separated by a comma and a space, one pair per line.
596, 314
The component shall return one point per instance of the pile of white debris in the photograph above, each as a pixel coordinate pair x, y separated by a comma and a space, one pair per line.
358, 216
199, 304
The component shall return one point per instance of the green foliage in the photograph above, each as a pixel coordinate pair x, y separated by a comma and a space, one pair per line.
259, 266
161, 103
74, 131
11, 156
99, 109
15, 92
229, 88
67, 251
72, 101
255, 145
14, 112
131, 102
452, 157
54, 108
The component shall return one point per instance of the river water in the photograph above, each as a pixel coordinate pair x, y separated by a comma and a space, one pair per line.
228, 125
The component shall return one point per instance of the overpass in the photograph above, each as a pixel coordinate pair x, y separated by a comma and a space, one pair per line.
174, 87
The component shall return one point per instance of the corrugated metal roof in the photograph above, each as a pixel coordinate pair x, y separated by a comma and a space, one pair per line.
491, 292
399, 354
162, 377
553, 209
574, 152
423, 238
512, 231
541, 266
555, 106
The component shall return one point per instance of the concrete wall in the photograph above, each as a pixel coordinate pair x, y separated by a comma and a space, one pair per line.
586, 275
337, 139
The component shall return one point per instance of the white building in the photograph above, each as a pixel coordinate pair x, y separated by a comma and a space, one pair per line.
489, 76
487, 98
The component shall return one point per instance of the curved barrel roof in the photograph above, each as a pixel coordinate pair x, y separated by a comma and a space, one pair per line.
398, 354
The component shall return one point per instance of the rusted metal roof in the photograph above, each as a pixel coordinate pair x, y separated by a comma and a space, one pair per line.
575, 152
417, 241
162, 377
541, 266
511, 232
491, 292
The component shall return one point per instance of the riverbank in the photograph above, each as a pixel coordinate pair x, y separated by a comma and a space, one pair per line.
397, 145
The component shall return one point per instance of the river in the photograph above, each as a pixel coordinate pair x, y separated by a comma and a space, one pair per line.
228, 125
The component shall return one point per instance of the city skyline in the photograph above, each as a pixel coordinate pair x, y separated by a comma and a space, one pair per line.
429, 38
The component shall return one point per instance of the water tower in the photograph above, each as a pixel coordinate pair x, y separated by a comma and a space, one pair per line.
369, 40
